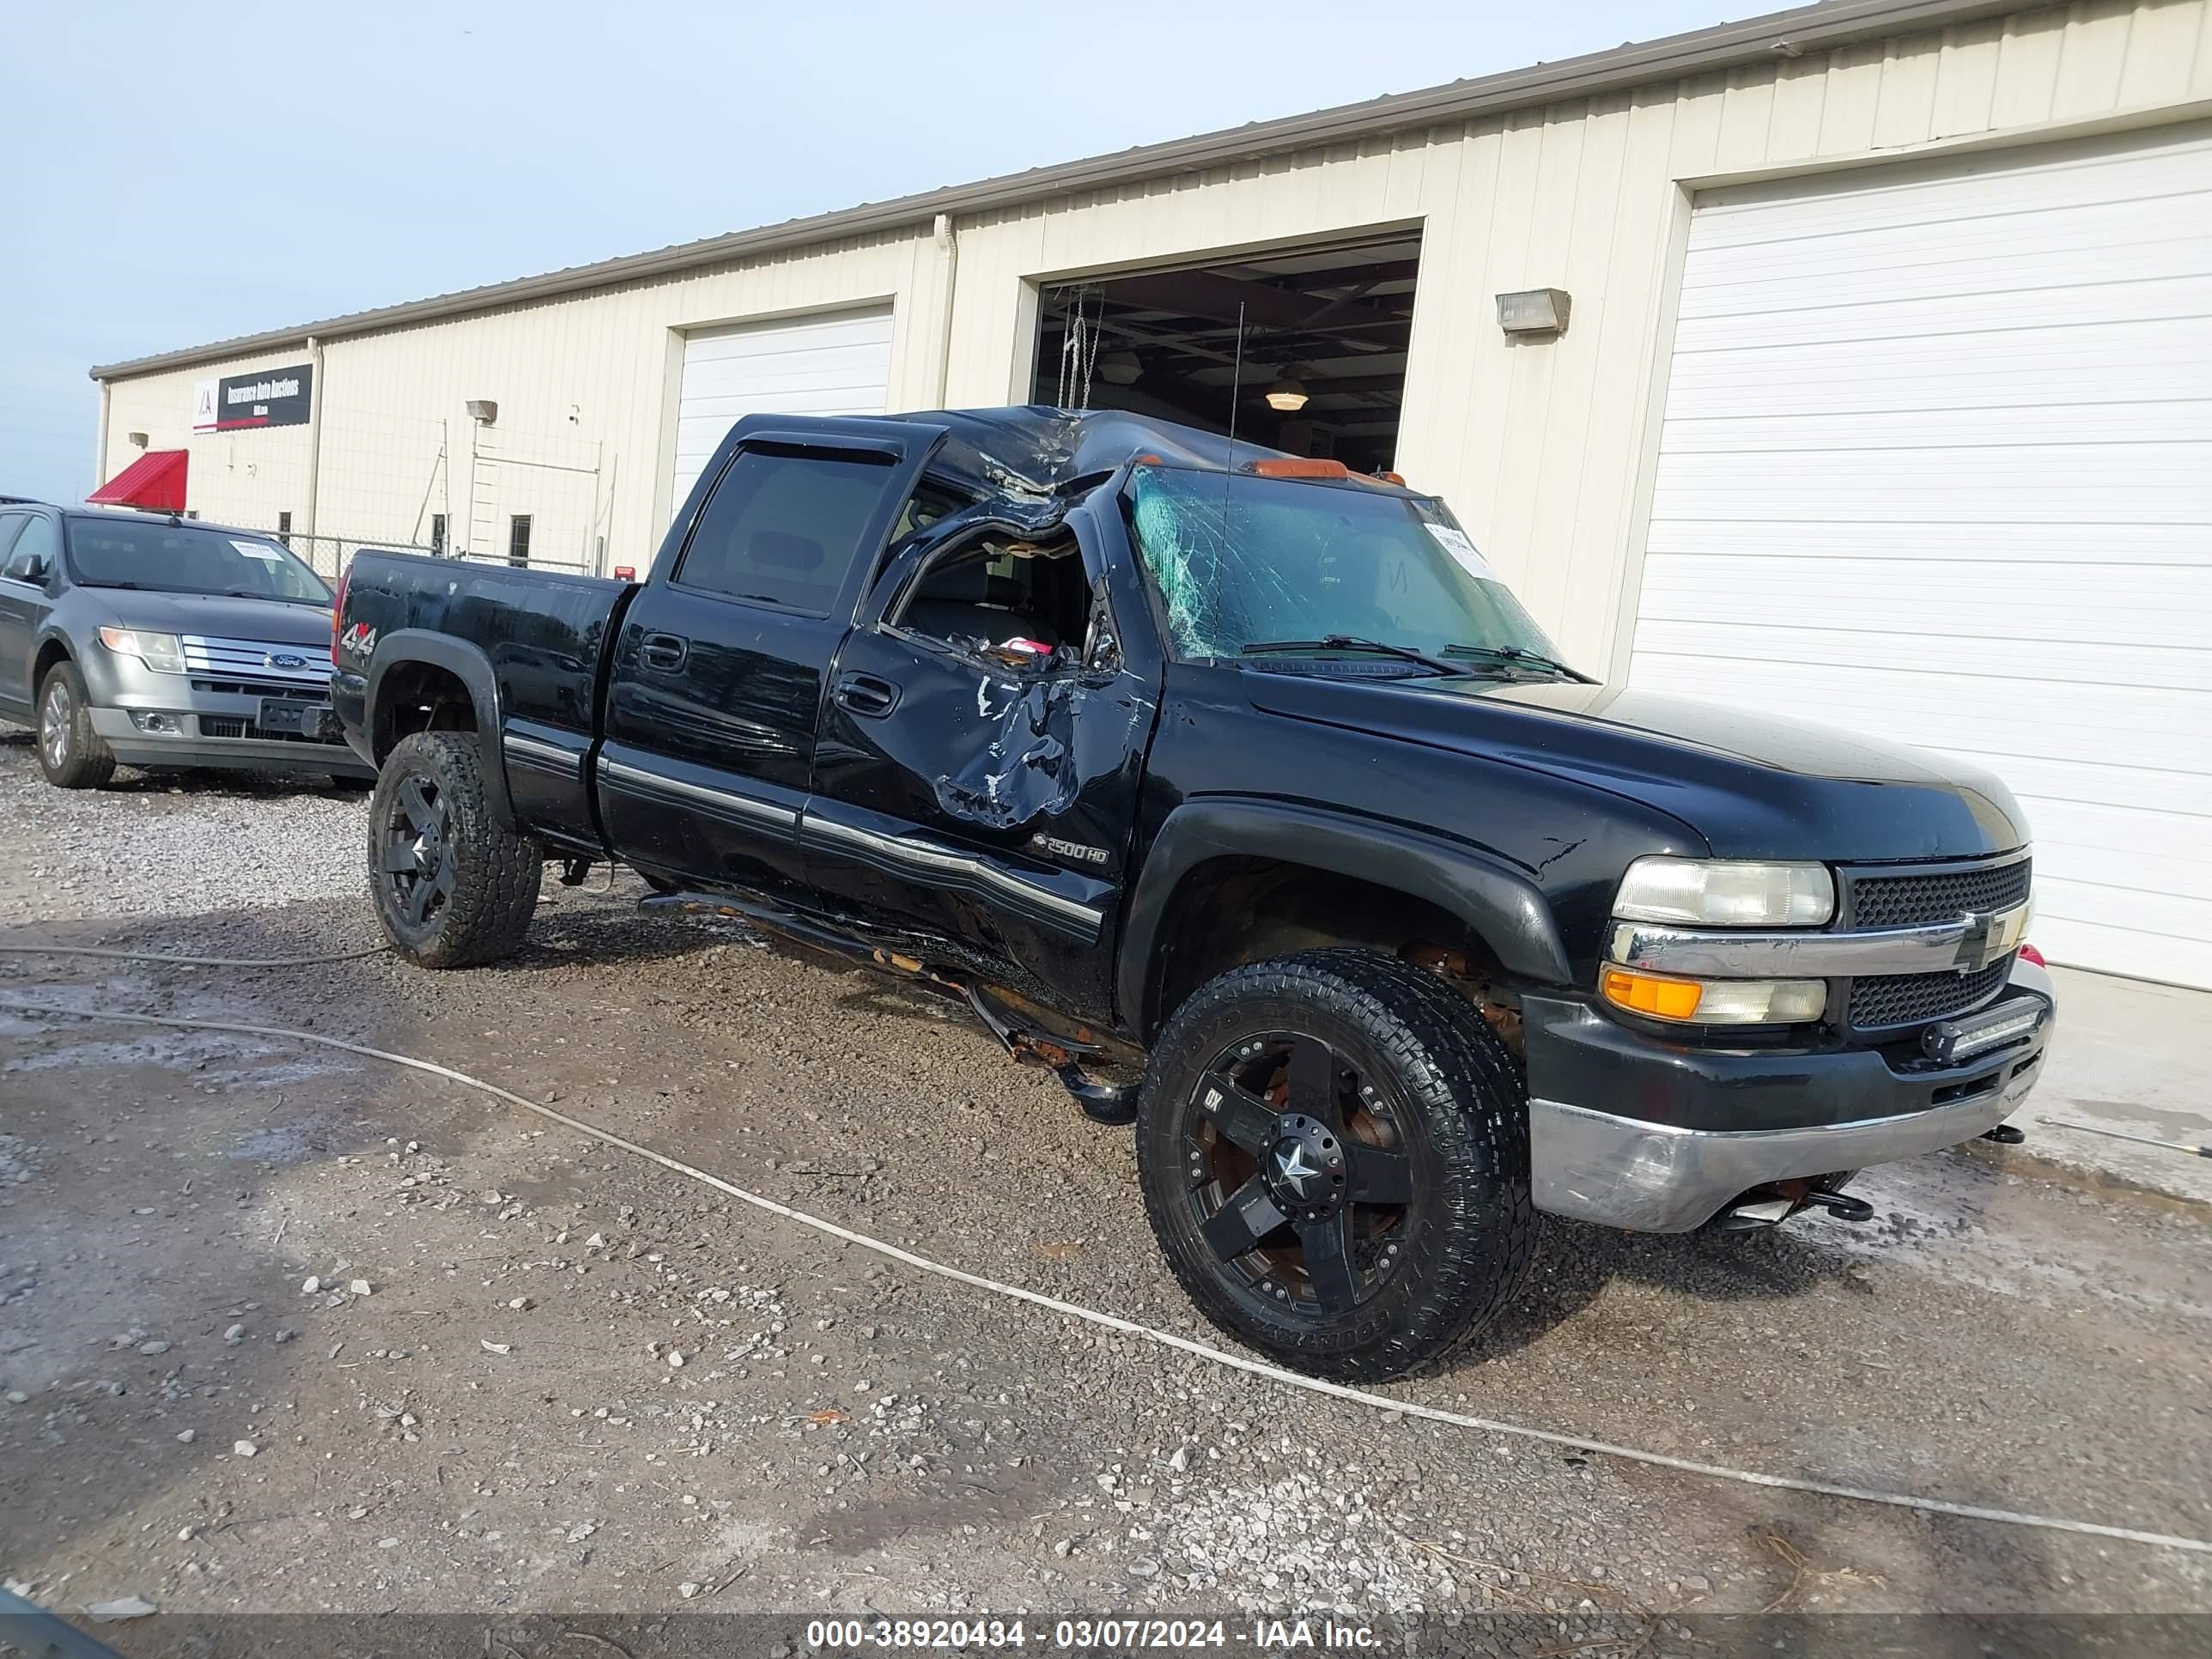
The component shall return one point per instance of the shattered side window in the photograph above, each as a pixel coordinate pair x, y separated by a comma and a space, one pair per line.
1239, 561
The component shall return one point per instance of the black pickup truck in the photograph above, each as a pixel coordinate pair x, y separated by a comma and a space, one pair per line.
1236, 789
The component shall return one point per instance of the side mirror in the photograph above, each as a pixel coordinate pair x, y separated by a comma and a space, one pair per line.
31, 567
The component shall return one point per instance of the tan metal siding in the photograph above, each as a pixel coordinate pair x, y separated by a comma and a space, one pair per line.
237, 478
1540, 447
580, 381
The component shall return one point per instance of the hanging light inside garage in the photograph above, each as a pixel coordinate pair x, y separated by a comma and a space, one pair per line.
1121, 367
1287, 395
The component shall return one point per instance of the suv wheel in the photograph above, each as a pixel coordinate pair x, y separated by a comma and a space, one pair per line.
453, 887
1333, 1152
70, 753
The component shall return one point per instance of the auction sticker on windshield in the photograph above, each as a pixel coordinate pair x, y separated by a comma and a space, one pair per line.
270, 555
1454, 542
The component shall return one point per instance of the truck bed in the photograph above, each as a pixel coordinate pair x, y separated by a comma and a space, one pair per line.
533, 644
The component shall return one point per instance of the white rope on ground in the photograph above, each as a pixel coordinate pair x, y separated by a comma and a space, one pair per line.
1130, 1327
188, 962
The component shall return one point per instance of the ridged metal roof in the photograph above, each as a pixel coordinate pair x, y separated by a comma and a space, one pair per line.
1801, 30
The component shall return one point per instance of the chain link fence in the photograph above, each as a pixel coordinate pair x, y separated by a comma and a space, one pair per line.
405, 484
328, 555
414, 483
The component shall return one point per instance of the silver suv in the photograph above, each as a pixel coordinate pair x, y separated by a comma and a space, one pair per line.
162, 642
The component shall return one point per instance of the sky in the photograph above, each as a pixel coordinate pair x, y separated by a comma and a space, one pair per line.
180, 174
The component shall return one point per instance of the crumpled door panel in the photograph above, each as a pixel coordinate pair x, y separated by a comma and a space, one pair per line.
1033, 745
1032, 777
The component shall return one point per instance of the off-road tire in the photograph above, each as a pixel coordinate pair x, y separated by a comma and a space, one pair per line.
70, 753
495, 873
1462, 1121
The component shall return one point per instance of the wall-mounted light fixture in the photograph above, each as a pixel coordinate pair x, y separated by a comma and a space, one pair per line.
1534, 311
482, 410
1288, 394
138, 440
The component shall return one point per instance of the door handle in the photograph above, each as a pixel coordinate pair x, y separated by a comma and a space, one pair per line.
863, 693
663, 651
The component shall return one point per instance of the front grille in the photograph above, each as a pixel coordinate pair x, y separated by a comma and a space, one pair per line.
261, 661
237, 725
1906, 900
292, 691
1893, 999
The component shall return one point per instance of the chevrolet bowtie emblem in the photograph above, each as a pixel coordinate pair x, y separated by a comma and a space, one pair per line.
1991, 936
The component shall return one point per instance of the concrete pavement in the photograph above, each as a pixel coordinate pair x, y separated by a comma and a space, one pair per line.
2130, 1055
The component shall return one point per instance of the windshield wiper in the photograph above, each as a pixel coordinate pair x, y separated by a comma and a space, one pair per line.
1519, 656
1352, 642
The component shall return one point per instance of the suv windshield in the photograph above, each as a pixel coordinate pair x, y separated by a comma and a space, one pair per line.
1241, 562
171, 558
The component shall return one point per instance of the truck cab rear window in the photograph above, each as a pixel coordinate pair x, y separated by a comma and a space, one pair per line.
784, 528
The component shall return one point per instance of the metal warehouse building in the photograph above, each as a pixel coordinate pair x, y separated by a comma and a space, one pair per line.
1883, 394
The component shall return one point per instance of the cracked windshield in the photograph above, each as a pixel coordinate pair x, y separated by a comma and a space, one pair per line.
1253, 566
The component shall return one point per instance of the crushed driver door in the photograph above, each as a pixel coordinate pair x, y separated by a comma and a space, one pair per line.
983, 809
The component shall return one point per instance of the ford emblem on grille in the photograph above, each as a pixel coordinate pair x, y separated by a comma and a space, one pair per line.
282, 659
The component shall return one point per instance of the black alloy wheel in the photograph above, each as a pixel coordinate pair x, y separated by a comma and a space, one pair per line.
1297, 1180
417, 867
1334, 1151
453, 885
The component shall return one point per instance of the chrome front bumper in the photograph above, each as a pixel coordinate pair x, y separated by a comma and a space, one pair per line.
1659, 1177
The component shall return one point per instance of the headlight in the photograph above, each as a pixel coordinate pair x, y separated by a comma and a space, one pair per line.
1715, 1001
1726, 893
160, 651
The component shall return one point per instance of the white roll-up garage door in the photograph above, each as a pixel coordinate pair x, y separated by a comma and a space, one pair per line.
1937, 465
839, 364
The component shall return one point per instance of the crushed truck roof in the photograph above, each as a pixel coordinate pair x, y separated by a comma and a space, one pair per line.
1037, 451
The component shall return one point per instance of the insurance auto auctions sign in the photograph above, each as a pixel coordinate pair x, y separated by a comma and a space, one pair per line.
273, 396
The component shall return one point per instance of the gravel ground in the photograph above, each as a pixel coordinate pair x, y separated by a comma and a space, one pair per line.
578, 1383
168, 844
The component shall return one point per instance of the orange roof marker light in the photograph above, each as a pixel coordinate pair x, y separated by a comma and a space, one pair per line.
1298, 466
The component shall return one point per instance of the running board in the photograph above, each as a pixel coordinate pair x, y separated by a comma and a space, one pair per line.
1101, 1102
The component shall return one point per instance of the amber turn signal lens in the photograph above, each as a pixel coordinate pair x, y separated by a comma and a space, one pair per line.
1648, 993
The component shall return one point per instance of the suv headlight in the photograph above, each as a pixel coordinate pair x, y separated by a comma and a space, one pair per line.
160, 651
1726, 893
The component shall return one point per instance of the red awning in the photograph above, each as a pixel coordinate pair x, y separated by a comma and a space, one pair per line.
155, 481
